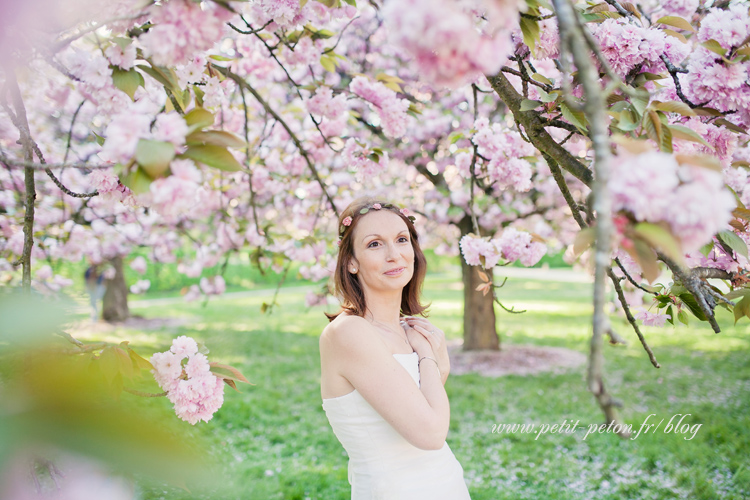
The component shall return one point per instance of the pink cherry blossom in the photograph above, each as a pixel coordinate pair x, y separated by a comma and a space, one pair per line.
183, 28
184, 346
657, 318
140, 286
361, 158
444, 40
122, 57
139, 265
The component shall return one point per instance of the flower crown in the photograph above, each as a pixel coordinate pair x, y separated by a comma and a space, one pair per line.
376, 206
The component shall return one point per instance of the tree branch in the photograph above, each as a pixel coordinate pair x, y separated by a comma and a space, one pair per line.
533, 124
238, 79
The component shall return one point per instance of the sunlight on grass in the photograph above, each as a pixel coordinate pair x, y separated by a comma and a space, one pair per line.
275, 443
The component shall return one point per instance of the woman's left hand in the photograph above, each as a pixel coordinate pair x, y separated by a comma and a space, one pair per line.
436, 337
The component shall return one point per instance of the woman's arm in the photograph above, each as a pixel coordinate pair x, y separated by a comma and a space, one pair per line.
420, 414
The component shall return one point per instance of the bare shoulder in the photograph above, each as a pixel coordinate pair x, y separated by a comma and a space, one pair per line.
351, 335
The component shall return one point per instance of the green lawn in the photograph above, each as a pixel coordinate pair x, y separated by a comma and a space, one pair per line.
273, 440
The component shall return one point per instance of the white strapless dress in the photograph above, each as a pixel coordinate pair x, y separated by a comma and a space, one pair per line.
382, 464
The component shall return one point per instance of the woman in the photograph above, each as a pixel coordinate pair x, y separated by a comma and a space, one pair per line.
382, 373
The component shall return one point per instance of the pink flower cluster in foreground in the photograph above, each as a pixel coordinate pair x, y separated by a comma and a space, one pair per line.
445, 41
182, 29
195, 392
512, 245
390, 109
653, 187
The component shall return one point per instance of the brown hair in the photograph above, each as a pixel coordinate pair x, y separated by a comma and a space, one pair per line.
346, 286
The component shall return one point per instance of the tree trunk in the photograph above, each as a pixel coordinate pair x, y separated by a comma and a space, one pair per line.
115, 306
479, 309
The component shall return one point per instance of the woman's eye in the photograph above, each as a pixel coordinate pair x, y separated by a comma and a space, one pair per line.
404, 238
371, 244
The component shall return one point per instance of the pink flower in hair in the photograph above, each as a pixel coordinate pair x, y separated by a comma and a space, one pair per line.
347, 221
404, 211
377, 206
338, 242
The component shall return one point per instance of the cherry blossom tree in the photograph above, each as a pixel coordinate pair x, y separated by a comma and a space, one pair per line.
219, 127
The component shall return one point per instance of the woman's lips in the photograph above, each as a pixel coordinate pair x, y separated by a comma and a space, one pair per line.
396, 272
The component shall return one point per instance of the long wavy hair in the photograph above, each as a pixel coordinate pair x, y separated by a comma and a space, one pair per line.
346, 286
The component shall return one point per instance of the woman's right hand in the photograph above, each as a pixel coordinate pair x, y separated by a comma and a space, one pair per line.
418, 341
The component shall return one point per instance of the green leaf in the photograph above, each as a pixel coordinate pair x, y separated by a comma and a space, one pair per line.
676, 22
213, 156
661, 239
742, 309
666, 139
527, 104
328, 63
682, 317
199, 118
706, 249
670, 312
154, 156
646, 259
714, 47
530, 30
127, 81
215, 137
628, 120
216, 57
541, 79
731, 126
687, 134
673, 107
734, 242
165, 76
99, 139
126, 367
137, 180
584, 239
639, 104
577, 118
692, 304
139, 362
228, 372
109, 364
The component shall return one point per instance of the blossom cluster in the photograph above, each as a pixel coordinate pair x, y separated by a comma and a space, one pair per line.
626, 45
505, 149
183, 28
391, 110
653, 187
364, 159
448, 46
185, 374
511, 245
710, 78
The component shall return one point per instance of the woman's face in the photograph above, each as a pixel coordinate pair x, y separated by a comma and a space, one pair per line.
383, 252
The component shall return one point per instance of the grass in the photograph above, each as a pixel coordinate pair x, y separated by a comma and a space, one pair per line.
273, 441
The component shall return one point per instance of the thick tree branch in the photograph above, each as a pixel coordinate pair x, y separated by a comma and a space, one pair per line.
22, 124
572, 40
534, 125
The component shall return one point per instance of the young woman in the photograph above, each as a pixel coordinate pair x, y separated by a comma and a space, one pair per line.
382, 368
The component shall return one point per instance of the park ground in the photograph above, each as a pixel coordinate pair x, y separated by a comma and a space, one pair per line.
272, 440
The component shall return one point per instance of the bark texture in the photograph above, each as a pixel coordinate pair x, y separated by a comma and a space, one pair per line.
115, 306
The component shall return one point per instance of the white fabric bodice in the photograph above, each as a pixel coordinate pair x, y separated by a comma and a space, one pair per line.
384, 465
